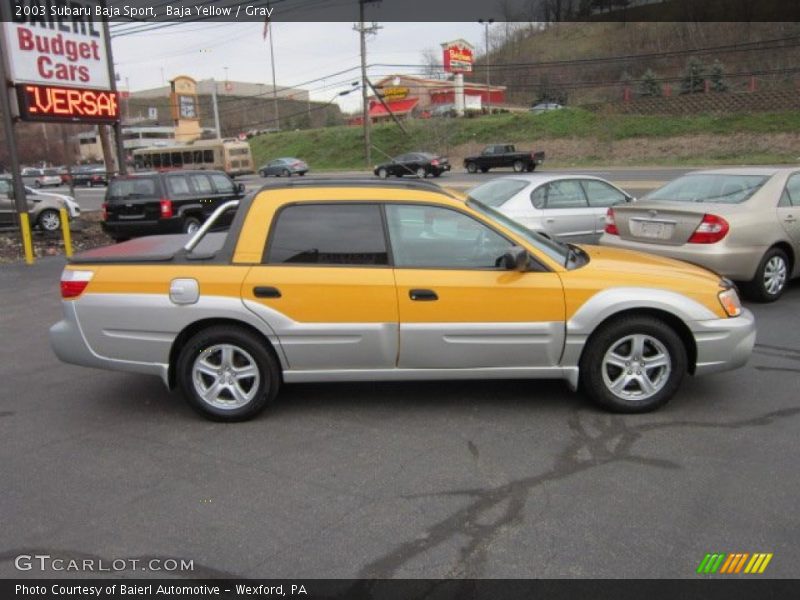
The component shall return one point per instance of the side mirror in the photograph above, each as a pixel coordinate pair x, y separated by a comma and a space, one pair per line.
240, 188
516, 259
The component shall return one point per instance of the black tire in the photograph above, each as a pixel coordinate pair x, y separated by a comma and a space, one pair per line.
619, 334
437, 173
90, 183
484, 169
190, 224
421, 173
249, 346
301, 173
769, 282
49, 220
518, 166
286, 173
472, 167
383, 173
119, 240
531, 167
262, 173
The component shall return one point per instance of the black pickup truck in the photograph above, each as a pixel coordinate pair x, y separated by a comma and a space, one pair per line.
503, 155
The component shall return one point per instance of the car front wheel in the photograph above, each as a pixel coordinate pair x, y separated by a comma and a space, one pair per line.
49, 220
383, 173
227, 373
519, 166
472, 167
421, 173
633, 365
771, 277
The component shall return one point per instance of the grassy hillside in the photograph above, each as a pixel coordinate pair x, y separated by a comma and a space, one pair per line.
342, 147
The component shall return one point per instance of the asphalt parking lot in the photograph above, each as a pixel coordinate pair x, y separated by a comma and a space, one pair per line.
446, 479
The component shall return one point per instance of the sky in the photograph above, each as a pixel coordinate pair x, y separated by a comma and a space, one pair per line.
303, 52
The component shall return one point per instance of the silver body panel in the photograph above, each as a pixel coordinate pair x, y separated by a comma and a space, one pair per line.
108, 331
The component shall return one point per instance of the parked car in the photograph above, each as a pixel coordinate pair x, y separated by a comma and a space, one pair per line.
569, 207
44, 209
284, 167
503, 155
40, 177
419, 164
743, 223
168, 202
69, 202
90, 176
352, 281
545, 107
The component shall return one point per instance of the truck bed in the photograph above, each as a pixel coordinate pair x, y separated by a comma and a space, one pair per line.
153, 249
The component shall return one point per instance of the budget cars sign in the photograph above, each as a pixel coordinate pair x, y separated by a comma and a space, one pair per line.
57, 42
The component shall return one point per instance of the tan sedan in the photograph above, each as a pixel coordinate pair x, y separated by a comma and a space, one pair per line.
43, 208
743, 223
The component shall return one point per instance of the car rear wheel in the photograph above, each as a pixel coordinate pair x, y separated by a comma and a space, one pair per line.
227, 373
472, 167
49, 220
421, 173
633, 365
383, 173
190, 225
771, 277
262, 173
519, 166
484, 169
286, 173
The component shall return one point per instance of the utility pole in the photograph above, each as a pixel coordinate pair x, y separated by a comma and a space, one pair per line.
363, 31
216, 107
486, 24
271, 34
122, 165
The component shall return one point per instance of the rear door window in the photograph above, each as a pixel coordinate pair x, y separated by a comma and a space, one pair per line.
565, 194
178, 185
201, 183
600, 194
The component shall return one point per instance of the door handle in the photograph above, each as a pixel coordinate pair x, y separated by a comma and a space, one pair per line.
549, 220
423, 295
266, 291
790, 219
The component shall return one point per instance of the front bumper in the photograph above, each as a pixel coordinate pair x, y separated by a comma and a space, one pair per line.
724, 344
70, 346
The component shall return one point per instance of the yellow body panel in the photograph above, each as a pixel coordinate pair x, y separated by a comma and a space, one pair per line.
349, 294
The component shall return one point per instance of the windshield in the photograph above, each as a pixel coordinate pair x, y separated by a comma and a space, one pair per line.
719, 188
497, 192
555, 250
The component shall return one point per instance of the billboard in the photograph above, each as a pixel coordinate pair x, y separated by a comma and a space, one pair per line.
458, 56
54, 103
44, 50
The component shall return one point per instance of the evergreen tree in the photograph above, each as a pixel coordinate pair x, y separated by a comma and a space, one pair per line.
694, 81
717, 77
649, 85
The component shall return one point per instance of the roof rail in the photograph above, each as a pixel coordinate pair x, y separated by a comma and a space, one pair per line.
411, 184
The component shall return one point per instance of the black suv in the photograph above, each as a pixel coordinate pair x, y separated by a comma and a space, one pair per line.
170, 202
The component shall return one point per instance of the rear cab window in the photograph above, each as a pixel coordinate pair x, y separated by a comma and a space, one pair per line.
328, 234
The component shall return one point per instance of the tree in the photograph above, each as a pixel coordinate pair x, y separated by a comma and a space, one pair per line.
694, 81
432, 64
717, 77
649, 85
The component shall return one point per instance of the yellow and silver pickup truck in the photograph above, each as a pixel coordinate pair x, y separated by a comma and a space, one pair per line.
353, 280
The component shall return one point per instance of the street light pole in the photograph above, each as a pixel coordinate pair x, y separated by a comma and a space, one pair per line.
486, 23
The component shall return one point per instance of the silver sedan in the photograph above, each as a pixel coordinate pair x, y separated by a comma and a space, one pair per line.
569, 207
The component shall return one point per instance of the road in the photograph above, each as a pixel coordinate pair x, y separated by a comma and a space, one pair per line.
636, 180
446, 479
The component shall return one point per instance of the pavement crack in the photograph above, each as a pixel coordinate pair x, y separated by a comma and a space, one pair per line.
612, 442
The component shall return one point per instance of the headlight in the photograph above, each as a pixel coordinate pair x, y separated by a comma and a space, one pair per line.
730, 302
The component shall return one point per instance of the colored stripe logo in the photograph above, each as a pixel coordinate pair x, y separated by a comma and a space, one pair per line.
734, 563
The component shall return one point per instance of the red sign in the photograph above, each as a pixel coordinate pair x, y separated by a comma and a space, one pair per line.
51, 103
458, 57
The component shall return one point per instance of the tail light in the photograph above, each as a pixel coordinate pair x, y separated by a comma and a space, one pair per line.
711, 230
74, 282
611, 223
434, 162
166, 208
104, 208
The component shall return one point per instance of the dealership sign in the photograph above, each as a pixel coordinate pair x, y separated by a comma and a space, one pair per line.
58, 61
458, 56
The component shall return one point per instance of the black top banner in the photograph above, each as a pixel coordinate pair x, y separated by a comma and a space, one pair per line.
60, 11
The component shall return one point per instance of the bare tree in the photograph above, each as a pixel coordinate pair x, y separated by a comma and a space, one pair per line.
432, 64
